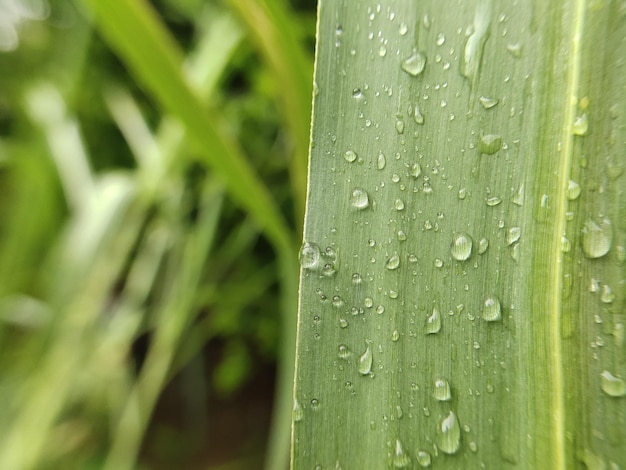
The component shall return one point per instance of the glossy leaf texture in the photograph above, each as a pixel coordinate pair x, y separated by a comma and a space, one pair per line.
462, 281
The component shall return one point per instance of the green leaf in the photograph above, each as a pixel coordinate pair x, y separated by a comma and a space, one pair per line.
462, 283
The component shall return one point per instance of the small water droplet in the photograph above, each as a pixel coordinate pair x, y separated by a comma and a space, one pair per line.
518, 196
393, 262
491, 308
441, 390
493, 201
416, 170
343, 323
515, 49
401, 236
297, 413
423, 458
573, 190
315, 404
382, 51
337, 301
400, 458
581, 125
483, 244
441, 39
513, 234
365, 362
607, 295
438, 262
403, 29
566, 245
368, 302
400, 126
310, 256
611, 385
344, 352
350, 156
433, 322
473, 446
395, 336
380, 309
597, 238
461, 246
356, 278
359, 198
381, 161
414, 65
399, 204
488, 103
489, 143
357, 94
449, 434
418, 117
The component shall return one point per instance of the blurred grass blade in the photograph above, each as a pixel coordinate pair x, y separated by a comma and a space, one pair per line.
133, 29
272, 27
462, 285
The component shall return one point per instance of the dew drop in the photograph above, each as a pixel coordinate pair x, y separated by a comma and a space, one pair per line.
414, 65
489, 143
359, 198
337, 301
581, 125
400, 458
297, 413
403, 29
400, 126
356, 278
393, 262
493, 201
611, 385
433, 322
566, 245
607, 295
350, 156
491, 308
438, 262
357, 94
513, 234
381, 161
344, 352
518, 196
488, 103
380, 309
365, 362
483, 244
461, 246
368, 302
515, 49
449, 434
573, 190
597, 238
395, 336
441, 390
416, 170
398, 204
423, 458
343, 323
418, 117
401, 235
310, 256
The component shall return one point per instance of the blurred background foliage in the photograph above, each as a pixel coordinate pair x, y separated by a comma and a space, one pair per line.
152, 184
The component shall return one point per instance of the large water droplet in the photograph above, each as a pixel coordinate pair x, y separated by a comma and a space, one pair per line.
359, 198
393, 262
461, 246
433, 323
489, 143
310, 256
513, 234
581, 125
449, 434
472, 54
414, 65
611, 385
597, 238
365, 361
491, 308
400, 458
441, 390
350, 156
297, 413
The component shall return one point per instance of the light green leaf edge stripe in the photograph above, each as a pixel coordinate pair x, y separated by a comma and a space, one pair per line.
504, 157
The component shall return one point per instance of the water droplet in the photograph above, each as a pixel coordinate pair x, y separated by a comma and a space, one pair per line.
423, 458
566, 245
573, 190
414, 65
368, 302
344, 352
581, 125
365, 362
393, 262
441, 39
356, 278
310, 256
461, 246
380, 309
518, 196
337, 301
488, 103
359, 198
515, 49
297, 413
417, 115
350, 156
441, 390
493, 201
472, 54
449, 434
483, 244
400, 126
343, 323
513, 234
416, 170
400, 459
382, 51
399, 204
357, 94
395, 336
473, 446
403, 29
491, 308
315, 404
489, 143
607, 295
381, 161
597, 239
433, 323
611, 385
401, 236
